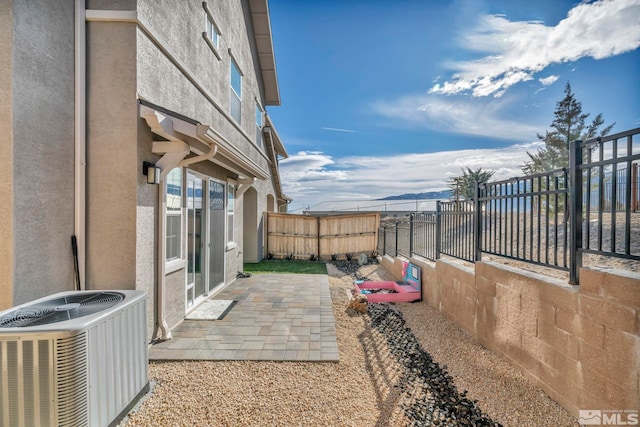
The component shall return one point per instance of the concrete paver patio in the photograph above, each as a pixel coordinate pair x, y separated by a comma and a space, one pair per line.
276, 317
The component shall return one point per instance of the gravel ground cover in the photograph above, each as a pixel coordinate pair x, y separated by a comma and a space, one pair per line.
389, 360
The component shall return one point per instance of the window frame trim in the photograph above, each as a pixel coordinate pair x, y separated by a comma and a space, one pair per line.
234, 64
178, 263
259, 128
205, 33
230, 244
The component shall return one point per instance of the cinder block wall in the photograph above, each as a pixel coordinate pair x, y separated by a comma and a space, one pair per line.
581, 344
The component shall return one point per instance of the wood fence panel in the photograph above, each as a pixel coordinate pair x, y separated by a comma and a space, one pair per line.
348, 234
304, 236
291, 235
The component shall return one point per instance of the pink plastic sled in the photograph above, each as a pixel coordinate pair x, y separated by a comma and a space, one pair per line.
406, 291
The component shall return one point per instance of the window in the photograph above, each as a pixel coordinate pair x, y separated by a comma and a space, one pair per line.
231, 195
259, 140
236, 92
211, 32
216, 196
174, 215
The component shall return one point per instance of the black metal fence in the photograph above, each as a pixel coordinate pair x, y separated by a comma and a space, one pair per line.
526, 218
425, 237
550, 219
610, 186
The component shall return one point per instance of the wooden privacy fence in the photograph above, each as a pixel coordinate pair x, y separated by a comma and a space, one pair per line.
321, 237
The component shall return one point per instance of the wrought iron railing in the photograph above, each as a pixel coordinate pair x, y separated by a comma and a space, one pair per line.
403, 238
550, 219
457, 232
424, 234
525, 218
611, 191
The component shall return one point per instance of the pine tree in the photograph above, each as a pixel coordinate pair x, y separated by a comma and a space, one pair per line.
464, 186
568, 125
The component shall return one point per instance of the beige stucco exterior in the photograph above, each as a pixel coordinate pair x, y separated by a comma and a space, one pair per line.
6, 159
36, 141
150, 52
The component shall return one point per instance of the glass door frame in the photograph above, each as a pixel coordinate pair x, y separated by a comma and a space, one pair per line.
191, 300
213, 288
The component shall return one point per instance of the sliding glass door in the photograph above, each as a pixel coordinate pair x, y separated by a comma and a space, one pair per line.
206, 221
196, 235
216, 233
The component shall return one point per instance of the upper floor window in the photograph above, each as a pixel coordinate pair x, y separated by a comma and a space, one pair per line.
259, 138
236, 92
211, 32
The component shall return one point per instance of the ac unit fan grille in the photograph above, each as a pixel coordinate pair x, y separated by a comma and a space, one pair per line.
60, 309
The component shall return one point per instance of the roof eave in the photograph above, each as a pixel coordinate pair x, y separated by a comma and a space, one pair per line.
278, 146
264, 45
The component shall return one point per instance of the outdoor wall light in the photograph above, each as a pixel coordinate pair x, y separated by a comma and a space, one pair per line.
152, 172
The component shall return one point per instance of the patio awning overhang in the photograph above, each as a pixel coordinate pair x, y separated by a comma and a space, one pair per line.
185, 137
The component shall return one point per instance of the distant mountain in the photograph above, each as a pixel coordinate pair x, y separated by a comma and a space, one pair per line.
442, 195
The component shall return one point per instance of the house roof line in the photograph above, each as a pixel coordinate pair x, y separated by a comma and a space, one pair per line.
264, 45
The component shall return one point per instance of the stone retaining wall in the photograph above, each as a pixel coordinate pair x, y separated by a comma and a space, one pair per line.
581, 344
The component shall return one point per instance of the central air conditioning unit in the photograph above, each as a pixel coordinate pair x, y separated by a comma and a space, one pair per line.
73, 359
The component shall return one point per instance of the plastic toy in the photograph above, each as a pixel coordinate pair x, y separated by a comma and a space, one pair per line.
407, 290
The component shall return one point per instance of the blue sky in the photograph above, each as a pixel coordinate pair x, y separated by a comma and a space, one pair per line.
382, 98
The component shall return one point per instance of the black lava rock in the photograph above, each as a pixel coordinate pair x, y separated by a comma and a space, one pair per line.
434, 398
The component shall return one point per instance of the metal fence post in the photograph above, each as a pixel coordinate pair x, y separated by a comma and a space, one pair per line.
477, 223
397, 226
634, 187
384, 240
438, 229
411, 234
575, 210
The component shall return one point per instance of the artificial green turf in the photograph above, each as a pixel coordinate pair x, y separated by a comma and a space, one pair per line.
285, 266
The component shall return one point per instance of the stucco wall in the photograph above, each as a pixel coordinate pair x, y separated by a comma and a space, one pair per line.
40, 144
167, 62
146, 226
580, 344
201, 89
175, 301
112, 155
6, 159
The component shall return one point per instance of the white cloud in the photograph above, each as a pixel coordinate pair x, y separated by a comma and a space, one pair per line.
462, 115
339, 130
308, 166
371, 177
546, 81
517, 50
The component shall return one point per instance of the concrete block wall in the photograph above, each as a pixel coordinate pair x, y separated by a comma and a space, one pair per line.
581, 344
